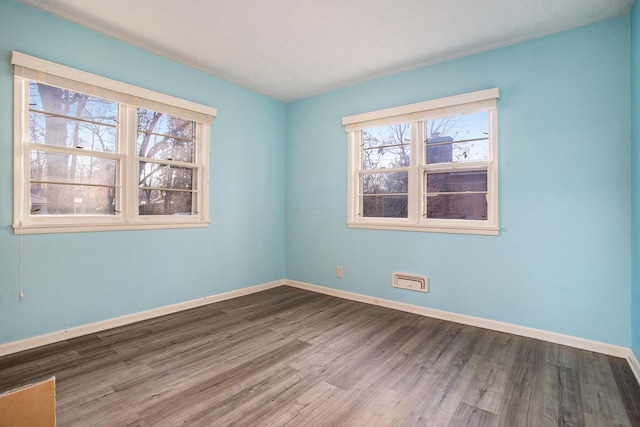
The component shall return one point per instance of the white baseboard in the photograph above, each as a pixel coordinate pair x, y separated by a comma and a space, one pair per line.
634, 364
29, 343
595, 346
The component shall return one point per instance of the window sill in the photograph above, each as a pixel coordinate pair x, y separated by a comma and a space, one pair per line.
93, 227
451, 229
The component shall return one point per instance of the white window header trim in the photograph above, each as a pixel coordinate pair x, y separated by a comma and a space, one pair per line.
451, 105
60, 75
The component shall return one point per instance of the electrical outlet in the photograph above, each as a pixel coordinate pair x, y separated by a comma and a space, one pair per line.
339, 272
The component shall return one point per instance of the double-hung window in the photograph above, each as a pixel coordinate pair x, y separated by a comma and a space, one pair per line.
94, 154
430, 166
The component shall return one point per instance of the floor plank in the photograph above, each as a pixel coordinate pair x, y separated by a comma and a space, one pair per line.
290, 357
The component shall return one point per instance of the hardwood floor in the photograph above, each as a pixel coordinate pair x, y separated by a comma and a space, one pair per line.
289, 357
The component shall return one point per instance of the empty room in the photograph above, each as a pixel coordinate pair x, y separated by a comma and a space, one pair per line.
319, 213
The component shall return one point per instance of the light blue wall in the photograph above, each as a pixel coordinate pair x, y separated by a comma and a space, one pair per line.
74, 279
635, 183
562, 261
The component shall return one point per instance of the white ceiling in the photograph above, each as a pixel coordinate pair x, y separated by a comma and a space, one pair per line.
292, 49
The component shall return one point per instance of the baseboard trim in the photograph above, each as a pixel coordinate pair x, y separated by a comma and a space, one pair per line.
595, 346
634, 365
53, 337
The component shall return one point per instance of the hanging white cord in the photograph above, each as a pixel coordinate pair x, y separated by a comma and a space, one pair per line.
21, 256
21, 233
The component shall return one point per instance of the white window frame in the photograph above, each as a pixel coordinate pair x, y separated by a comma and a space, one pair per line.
415, 114
129, 98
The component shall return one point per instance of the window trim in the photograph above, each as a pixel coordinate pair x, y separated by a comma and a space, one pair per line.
484, 100
129, 97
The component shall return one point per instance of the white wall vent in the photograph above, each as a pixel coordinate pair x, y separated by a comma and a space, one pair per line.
410, 281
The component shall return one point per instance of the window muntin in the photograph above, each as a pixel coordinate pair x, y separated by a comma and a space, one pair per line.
429, 166
90, 163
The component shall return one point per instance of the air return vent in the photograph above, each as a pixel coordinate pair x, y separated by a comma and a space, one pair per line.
411, 282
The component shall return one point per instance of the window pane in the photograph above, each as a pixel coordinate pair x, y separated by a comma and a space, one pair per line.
71, 168
156, 175
55, 199
456, 182
164, 202
457, 206
165, 189
70, 119
161, 136
384, 206
385, 194
458, 139
385, 183
386, 147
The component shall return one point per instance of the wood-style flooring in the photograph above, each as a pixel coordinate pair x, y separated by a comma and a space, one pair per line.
289, 357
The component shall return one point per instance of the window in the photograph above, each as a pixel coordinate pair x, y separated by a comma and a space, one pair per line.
93, 154
430, 166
